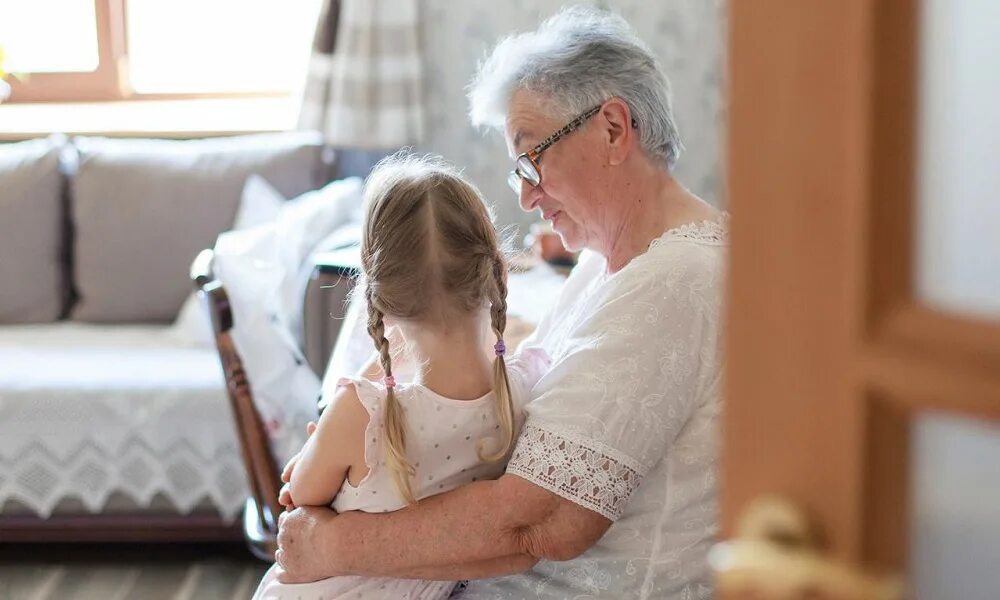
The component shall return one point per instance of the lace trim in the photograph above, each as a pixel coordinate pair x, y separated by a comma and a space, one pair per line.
715, 231
182, 473
577, 468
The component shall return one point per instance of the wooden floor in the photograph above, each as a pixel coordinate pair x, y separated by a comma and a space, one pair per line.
127, 571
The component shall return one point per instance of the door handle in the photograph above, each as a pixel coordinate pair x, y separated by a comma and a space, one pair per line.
776, 554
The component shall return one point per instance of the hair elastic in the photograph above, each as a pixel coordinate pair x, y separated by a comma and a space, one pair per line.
500, 348
389, 381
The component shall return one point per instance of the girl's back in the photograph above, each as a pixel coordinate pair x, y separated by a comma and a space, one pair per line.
442, 436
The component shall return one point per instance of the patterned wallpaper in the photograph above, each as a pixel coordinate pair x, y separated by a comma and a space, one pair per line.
687, 36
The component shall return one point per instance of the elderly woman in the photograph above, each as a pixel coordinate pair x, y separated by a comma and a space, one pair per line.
611, 489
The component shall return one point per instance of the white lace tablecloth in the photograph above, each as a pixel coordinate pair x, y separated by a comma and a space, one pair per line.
87, 411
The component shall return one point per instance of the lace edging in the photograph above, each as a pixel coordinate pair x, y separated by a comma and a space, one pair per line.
41, 480
714, 231
577, 469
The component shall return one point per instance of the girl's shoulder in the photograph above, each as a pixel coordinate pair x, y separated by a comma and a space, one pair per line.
368, 393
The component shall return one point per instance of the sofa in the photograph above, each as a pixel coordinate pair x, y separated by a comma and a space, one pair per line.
113, 427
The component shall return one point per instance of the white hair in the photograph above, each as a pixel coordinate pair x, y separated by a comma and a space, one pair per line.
579, 58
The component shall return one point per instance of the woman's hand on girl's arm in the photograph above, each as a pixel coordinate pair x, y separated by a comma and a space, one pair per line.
338, 443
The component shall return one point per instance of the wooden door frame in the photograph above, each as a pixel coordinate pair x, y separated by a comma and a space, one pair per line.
827, 343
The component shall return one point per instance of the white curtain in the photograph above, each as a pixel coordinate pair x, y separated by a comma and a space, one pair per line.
365, 83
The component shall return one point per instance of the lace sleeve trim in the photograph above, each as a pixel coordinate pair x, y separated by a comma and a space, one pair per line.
577, 468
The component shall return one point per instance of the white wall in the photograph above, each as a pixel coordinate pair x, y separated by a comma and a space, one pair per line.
687, 36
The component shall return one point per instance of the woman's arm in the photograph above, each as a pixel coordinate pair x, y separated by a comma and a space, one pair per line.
496, 567
468, 532
483, 569
338, 443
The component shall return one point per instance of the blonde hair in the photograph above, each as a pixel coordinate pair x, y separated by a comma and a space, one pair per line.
430, 252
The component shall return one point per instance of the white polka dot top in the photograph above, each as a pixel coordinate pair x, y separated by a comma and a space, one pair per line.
441, 436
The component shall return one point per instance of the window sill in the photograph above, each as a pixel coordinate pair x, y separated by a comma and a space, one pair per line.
150, 118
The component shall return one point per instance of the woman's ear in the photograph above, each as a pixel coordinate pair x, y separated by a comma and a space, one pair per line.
617, 120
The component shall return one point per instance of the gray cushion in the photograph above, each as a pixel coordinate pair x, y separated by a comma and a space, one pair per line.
142, 209
32, 273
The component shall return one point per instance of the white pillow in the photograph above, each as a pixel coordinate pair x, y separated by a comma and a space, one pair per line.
314, 222
264, 270
260, 204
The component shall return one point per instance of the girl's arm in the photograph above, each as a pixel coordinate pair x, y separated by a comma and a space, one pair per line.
315, 486
338, 443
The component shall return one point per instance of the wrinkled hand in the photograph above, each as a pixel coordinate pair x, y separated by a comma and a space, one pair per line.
285, 495
301, 555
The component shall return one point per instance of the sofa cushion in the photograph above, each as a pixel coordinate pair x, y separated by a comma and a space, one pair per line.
32, 274
143, 209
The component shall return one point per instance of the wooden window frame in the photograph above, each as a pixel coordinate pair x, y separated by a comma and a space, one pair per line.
110, 81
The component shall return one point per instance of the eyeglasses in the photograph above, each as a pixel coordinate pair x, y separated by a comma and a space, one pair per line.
526, 164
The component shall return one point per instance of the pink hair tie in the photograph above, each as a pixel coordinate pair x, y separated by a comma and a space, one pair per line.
500, 348
390, 381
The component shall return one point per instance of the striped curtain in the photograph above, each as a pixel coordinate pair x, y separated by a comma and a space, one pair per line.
364, 86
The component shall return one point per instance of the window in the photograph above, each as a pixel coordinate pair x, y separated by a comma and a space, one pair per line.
80, 50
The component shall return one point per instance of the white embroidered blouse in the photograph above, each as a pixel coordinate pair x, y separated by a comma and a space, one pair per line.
625, 421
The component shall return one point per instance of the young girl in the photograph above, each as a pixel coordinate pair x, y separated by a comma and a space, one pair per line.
432, 268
